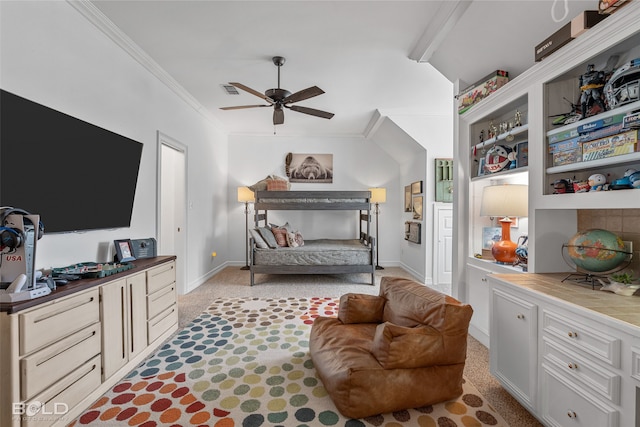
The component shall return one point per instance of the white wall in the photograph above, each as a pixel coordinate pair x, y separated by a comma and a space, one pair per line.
52, 55
358, 164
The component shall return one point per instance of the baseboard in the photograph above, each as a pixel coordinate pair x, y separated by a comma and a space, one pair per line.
200, 280
480, 335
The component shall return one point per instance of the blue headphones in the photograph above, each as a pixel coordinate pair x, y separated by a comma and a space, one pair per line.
11, 237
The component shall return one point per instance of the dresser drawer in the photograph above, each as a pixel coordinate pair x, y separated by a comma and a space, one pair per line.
565, 405
583, 337
161, 300
43, 368
588, 373
69, 391
58, 319
160, 277
162, 323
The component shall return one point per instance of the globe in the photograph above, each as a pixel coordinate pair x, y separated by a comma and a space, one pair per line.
596, 250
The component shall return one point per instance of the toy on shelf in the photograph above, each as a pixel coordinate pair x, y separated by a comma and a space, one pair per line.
624, 85
562, 186
624, 182
499, 157
591, 84
598, 182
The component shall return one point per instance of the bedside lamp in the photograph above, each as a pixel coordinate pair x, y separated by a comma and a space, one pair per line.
245, 195
505, 201
378, 195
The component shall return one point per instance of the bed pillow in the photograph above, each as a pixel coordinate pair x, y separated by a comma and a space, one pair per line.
258, 239
280, 235
268, 237
277, 185
294, 239
286, 226
262, 184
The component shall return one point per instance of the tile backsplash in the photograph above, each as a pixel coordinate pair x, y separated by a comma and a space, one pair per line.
623, 222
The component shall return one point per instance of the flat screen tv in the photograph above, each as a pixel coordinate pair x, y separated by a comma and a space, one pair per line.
75, 175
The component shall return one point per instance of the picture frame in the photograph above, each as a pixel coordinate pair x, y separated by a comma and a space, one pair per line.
312, 168
416, 187
481, 163
417, 207
407, 199
124, 250
522, 154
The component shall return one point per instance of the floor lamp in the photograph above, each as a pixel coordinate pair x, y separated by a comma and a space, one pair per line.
378, 195
245, 195
504, 201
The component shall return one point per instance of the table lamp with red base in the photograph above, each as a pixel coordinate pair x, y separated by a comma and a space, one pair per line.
504, 201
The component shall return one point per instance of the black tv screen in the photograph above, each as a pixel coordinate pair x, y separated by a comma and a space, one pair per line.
75, 175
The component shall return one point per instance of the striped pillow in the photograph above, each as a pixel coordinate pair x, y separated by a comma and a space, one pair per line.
281, 235
277, 185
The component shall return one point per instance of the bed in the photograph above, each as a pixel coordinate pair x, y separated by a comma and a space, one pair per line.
320, 256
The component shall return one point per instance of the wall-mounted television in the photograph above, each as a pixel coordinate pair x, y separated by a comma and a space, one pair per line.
75, 175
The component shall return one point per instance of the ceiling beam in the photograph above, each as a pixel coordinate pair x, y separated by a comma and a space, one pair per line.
444, 20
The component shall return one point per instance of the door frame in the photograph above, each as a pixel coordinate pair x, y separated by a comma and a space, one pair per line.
163, 139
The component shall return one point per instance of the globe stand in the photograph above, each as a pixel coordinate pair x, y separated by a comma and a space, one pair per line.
583, 276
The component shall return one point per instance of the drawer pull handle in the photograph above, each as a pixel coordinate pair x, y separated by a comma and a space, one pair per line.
573, 365
520, 316
63, 310
572, 414
573, 335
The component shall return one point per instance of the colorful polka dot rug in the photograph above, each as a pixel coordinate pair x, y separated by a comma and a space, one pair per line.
245, 362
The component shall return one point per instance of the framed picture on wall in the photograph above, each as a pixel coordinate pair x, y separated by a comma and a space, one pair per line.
416, 187
407, 198
417, 208
310, 168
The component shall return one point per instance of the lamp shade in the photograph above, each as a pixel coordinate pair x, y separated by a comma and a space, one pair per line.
505, 200
245, 195
378, 195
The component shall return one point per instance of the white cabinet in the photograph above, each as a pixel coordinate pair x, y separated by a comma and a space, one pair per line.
124, 314
69, 347
583, 365
513, 350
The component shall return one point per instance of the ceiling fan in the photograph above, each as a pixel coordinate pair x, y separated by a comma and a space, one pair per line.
279, 98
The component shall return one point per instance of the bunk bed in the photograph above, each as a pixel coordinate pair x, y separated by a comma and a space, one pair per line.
321, 256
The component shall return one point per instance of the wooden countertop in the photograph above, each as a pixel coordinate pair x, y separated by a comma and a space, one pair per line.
80, 285
622, 308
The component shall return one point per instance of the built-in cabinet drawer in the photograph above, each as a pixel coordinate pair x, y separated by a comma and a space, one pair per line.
581, 370
160, 277
565, 405
161, 300
64, 394
41, 369
162, 322
584, 337
57, 319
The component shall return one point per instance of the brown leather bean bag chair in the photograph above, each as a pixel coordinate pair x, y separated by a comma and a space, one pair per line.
403, 349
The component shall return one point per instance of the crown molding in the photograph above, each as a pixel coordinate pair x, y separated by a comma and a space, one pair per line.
104, 24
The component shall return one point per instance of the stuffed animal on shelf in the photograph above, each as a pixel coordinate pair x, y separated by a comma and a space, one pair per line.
597, 182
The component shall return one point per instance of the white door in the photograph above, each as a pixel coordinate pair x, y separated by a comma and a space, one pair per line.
172, 205
443, 244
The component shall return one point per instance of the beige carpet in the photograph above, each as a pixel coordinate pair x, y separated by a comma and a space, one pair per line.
233, 282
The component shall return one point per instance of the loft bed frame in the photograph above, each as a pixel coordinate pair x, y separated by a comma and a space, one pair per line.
317, 201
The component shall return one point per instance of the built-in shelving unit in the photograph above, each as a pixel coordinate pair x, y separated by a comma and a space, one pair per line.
540, 94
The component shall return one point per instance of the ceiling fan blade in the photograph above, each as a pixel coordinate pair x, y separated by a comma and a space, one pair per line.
252, 91
311, 111
240, 107
303, 94
278, 116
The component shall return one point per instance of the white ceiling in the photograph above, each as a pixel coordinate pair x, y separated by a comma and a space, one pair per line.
358, 52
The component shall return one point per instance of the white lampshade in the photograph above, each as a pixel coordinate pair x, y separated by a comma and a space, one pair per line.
245, 195
378, 195
505, 200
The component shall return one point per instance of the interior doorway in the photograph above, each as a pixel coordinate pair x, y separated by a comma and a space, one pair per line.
172, 205
443, 246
